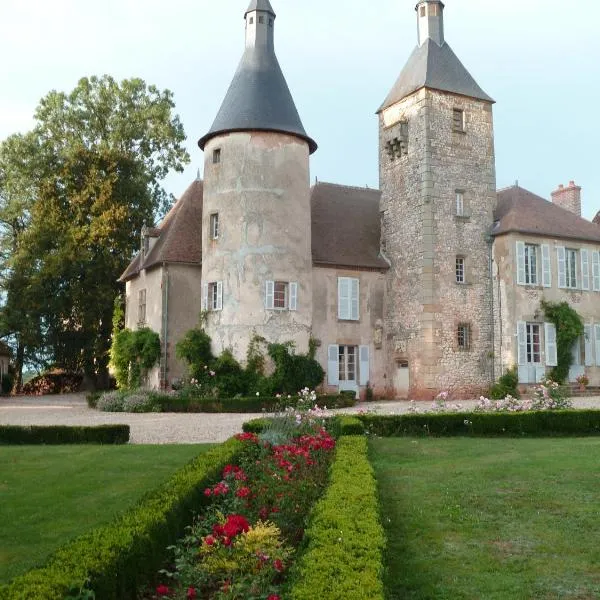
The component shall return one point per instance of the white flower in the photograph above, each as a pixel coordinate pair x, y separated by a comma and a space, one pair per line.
258, 393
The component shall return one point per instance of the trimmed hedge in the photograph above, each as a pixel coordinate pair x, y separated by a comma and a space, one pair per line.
343, 559
345, 425
536, 424
121, 557
60, 434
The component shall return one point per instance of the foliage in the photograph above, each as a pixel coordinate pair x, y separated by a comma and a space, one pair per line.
53, 382
583, 380
92, 399
507, 385
569, 327
132, 354
293, 372
61, 434
345, 540
8, 380
345, 425
140, 402
194, 349
74, 195
121, 557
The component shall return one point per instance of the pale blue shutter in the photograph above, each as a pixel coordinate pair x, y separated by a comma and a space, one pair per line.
333, 365
546, 266
589, 348
521, 263
355, 293
293, 296
550, 341
219, 296
364, 365
270, 295
597, 340
585, 269
562, 267
596, 270
343, 298
205, 296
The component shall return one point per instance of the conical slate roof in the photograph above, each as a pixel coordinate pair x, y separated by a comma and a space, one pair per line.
435, 67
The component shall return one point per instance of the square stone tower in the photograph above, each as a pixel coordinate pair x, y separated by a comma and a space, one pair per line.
438, 183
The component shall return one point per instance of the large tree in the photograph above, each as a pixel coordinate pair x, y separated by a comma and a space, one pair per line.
74, 195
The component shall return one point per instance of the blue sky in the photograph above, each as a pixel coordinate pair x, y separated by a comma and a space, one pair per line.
537, 59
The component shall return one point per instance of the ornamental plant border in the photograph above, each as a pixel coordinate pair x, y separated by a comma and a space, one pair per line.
343, 559
62, 434
118, 558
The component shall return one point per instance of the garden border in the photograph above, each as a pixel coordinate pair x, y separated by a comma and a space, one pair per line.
63, 434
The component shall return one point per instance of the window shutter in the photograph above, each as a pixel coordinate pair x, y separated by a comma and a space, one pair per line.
364, 365
343, 297
270, 295
550, 339
521, 263
522, 342
596, 270
562, 267
293, 295
219, 295
597, 339
355, 289
205, 296
333, 365
589, 350
585, 269
546, 266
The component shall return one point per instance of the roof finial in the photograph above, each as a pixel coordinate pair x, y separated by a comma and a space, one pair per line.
260, 24
430, 21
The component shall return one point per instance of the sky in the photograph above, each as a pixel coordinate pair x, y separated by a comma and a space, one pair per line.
540, 61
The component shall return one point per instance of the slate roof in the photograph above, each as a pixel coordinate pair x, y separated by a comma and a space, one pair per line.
180, 235
264, 5
346, 226
521, 211
435, 67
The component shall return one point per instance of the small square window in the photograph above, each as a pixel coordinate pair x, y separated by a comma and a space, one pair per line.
216, 156
214, 226
460, 269
422, 11
270, 22
463, 334
215, 297
458, 120
261, 20
251, 20
433, 10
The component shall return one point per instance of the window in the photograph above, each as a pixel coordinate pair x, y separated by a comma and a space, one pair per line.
460, 269
531, 264
281, 295
460, 204
433, 10
533, 341
270, 22
422, 11
348, 299
212, 296
529, 259
216, 156
464, 336
458, 120
596, 271
251, 20
571, 267
141, 307
347, 363
261, 20
214, 226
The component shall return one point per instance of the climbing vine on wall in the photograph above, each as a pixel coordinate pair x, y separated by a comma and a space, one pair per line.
132, 353
569, 327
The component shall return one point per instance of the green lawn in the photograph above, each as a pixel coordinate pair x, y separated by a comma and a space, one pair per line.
490, 519
50, 494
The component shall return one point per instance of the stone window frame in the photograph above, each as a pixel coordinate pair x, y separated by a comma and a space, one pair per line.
464, 337
214, 226
460, 273
216, 157
461, 201
459, 120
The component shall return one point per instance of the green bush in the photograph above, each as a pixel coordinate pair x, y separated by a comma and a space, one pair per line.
343, 559
535, 424
507, 385
195, 350
256, 425
92, 399
8, 380
132, 353
345, 425
123, 556
60, 434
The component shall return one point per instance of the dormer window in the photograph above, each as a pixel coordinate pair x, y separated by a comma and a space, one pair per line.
216, 156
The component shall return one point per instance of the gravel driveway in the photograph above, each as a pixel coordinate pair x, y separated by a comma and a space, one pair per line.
162, 428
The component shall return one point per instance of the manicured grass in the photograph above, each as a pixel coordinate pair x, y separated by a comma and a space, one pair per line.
51, 494
490, 519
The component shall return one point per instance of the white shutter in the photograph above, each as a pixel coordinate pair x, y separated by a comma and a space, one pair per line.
270, 295
219, 295
597, 339
596, 270
589, 349
521, 263
550, 340
522, 342
546, 266
355, 292
293, 295
333, 365
562, 267
585, 269
343, 298
364, 365
205, 296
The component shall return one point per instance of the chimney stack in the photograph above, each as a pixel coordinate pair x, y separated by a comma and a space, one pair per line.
568, 198
597, 219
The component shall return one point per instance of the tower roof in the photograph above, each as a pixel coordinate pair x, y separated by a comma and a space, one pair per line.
435, 67
258, 98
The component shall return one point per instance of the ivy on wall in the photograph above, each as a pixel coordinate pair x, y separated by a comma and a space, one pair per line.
132, 354
569, 327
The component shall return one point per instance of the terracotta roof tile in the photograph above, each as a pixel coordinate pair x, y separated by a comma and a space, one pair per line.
522, 211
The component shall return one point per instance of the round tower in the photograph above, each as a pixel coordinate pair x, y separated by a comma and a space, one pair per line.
256, 225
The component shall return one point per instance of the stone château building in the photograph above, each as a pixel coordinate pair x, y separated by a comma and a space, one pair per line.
431, 283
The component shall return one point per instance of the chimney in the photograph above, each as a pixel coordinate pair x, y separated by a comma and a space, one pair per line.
568, 198
597, 219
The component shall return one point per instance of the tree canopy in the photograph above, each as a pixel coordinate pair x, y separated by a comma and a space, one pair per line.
74, 195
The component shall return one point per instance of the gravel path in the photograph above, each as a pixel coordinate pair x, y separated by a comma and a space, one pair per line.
153, 428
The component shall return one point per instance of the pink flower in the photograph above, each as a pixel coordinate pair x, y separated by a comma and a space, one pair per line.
273, 597
208, 492
191, 593
243, 492
163, 590
209, 540
278, 565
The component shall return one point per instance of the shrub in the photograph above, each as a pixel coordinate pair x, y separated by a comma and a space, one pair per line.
121, 557
507, 385
111, 402
8, 380
140, 402
92, 399
59, 434
132, 353
345, 425
195, 350
343, 559
293, 372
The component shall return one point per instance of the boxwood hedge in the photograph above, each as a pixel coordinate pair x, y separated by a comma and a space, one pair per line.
58, 434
